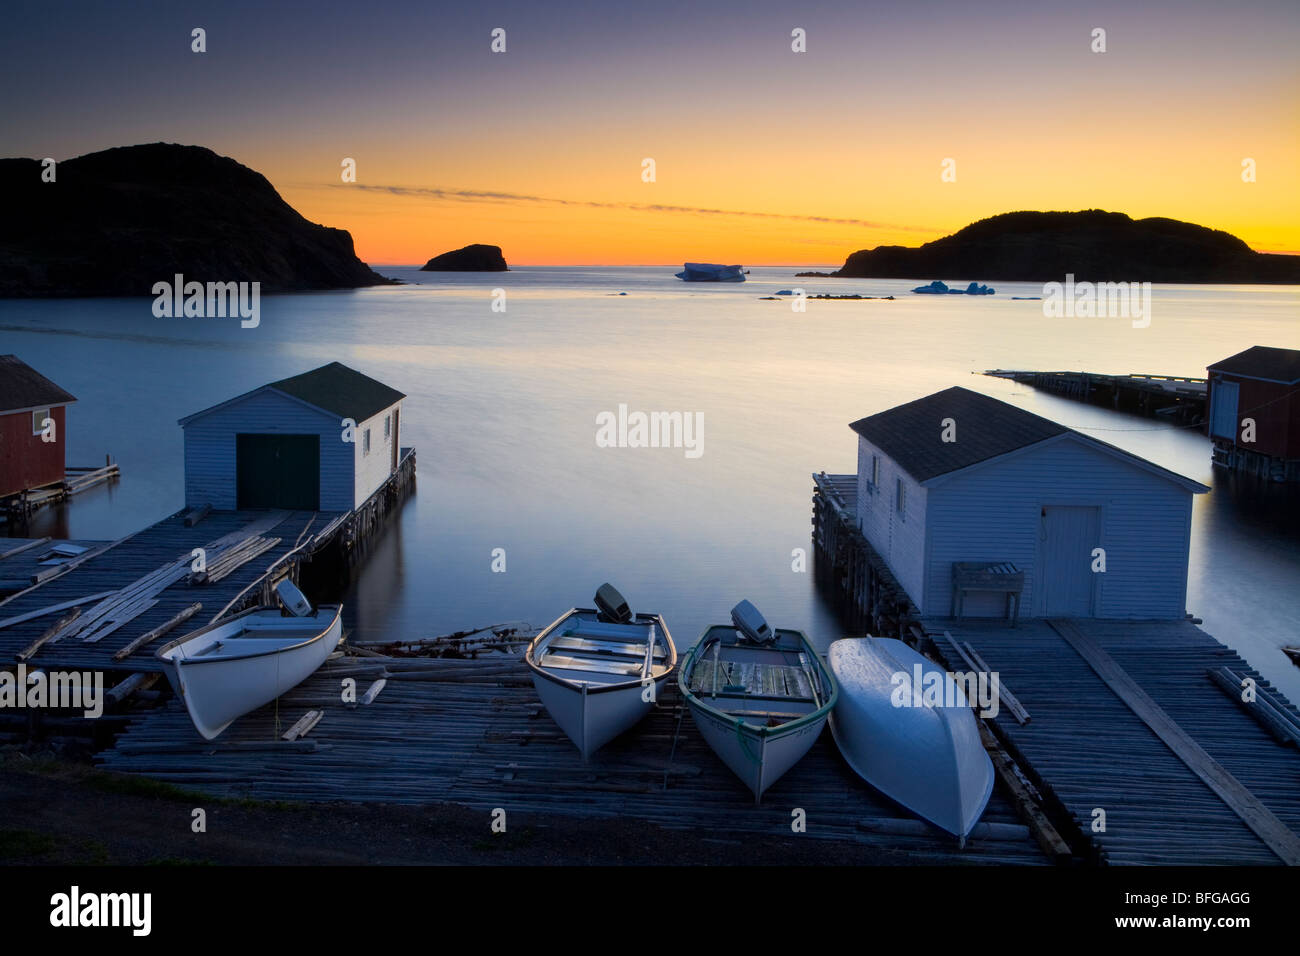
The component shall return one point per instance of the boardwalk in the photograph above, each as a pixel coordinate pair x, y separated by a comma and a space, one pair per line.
131, 559
1090, 750
474, 733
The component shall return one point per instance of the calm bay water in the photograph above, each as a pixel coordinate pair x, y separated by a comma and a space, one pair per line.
502, 409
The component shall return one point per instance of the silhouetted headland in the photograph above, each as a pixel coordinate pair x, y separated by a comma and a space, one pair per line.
1092, 245
117, 221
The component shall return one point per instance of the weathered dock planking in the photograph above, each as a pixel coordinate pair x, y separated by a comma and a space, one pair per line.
133, 568
472, 732
1088, 748
20, 507
138, 587
857, 577
1169, 396
21, 558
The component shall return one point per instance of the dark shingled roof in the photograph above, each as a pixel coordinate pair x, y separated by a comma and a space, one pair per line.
1261, 361
911, 434
21, 386
341, 390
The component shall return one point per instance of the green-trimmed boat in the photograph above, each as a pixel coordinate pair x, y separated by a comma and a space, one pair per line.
760, 697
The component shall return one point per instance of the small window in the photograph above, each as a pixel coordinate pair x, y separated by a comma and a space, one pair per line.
875, 472
38, 420
365, 442
900, 499
388, 427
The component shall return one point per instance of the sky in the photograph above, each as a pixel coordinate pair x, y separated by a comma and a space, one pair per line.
762, 155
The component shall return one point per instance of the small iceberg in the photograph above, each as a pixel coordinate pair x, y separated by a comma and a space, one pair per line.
711, 272
934, 288
940, 288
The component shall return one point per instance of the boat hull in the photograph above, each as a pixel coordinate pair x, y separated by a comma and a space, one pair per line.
591, 709
218, 691
927, 757
592, 719
759, 759
757, 753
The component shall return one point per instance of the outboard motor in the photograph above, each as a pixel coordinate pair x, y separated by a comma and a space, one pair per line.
750, 623
294, 601
612, 606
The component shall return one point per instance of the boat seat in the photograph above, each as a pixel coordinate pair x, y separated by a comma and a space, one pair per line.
633, 631
558, 661
605, 647
774, 681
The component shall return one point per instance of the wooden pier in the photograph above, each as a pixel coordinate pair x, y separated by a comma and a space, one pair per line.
18, 509
1088, 748
1178, 398
1139, 728
473, 732
107, 608
854, 576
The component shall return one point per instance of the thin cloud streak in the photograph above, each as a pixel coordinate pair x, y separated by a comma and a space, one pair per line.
474, 195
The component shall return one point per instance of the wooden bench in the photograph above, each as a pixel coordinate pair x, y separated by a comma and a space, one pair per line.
999, 577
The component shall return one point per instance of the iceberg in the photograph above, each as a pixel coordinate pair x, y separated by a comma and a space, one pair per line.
711, 272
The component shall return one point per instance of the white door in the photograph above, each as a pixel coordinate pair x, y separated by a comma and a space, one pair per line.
1223, 416
1066, 580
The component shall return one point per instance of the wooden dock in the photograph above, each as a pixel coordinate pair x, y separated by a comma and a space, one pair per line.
854, 576
1087, 747
473, 732
119, 568
17, 509
108, 608
1178, 398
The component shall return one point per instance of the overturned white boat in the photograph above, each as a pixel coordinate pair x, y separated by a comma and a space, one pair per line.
600, 670
759, 696
711, 272
234, 666
902, 739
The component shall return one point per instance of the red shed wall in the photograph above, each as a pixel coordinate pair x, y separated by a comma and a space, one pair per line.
25, 460
1276, 410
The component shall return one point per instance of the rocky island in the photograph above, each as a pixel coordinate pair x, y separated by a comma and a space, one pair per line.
1092, 245
472, 258
115, 222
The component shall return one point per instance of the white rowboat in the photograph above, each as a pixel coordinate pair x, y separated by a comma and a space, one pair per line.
926, 756
234, 666
597, 675
760, 706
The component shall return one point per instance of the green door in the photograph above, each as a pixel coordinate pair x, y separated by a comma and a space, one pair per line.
277, 471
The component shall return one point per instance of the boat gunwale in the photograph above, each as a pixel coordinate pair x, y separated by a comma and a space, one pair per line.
581, 687
177, 661
821, 713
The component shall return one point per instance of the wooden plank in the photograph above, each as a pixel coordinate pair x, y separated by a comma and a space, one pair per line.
53, 608
1008, 698
125, 688
1047, 836
148, 637
195, 515
27, 653
23, 547
373, 691
1275, 834
303, 725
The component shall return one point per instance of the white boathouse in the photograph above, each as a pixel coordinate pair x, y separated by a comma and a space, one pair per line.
324, 440
959, 477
